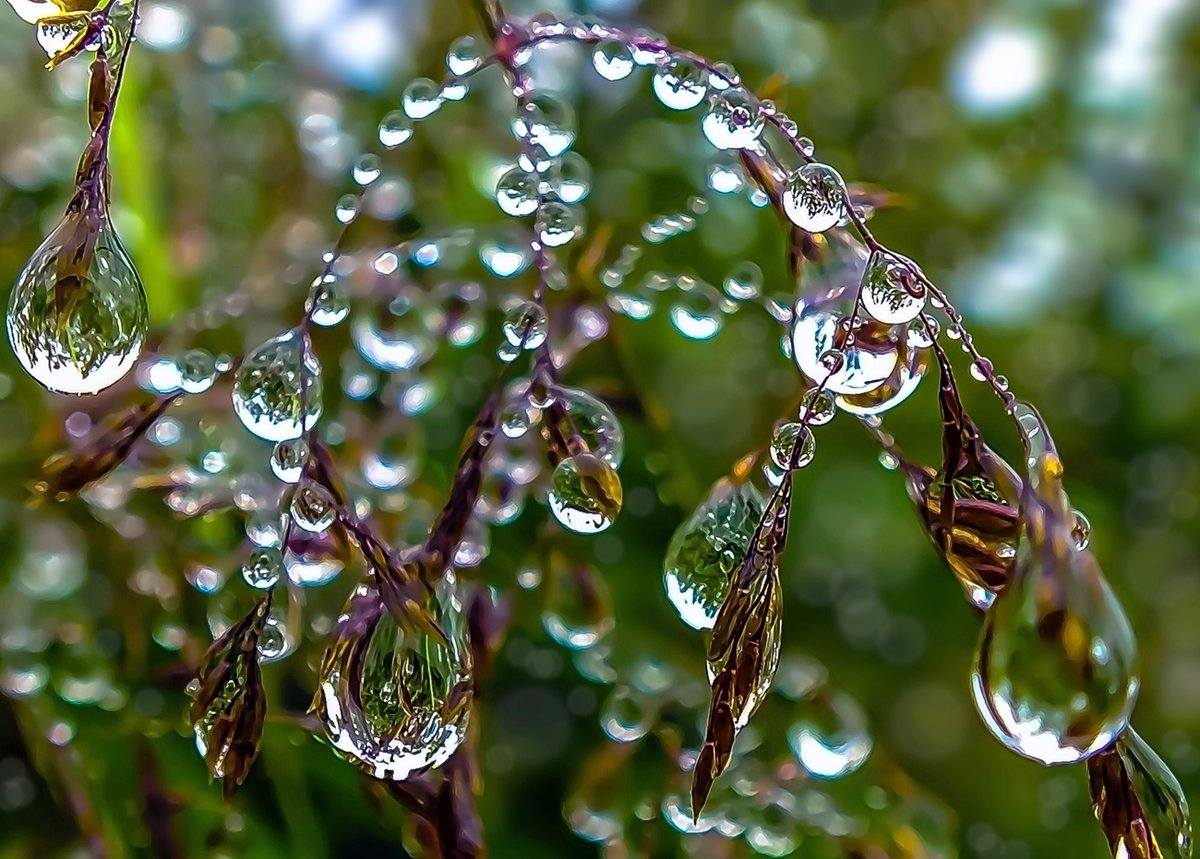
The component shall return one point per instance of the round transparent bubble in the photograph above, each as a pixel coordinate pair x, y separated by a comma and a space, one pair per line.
706, 549
402, 704
784, 443
267, 394
331, 304
77, 329
278, 640
594, 422
547, 122
289, 458
263, 568
517, 192
627, 715
585, 494
312, 507
680, 84
891, 293
815, 198
570, 178
422, 98
830, 737
526, 325
395, 129
197, 371
557, 224
310, 567
394, 460
817, 339
612, 60
911, 366
733, 121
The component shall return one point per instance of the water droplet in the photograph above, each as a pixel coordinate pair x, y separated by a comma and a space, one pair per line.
312, 507
594, 422
585, 494
367, 169
548, 123
815, 198
784, 442
77, 315
464, 56
891, 292
627, 715
395, 129
696, 315
830, 738
557, 224
289, 458
706, 549
744, 282
612, 60
570, 178
330, 304
578, 610
517, 192
818, 406
263, 568
197, 371
911, 367
1055, 678
422, 98
733, 120
680, 84
1081, 530
347, 208
267, 392
526, 326
817, 347
394, 700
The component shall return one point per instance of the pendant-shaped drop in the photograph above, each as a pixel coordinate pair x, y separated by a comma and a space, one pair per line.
707, 548
77, 316
1055, 677
394, 700
1139, 802
585, 495
274, 387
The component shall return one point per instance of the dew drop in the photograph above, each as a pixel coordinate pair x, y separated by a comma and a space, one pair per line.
815, 198
395, 129
267, 393
733, 120
612, 60
830, 738
312, 507
517, 192
784, 442
263, 568
464, 56
585, 494
891, 293
526, 326
680, 84
422, 98
197, 371
557, 224
289, 458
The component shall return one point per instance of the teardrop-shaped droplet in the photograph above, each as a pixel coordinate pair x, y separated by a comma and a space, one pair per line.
1139, 802
273, 387
612, 60
526, 326
313, 508
397, 701
77, 315
830, 737
578, 609
585, 494
263, 568
680, 84
707, 548
733, 121
815, 198
593, 421
891, 292
1055, 677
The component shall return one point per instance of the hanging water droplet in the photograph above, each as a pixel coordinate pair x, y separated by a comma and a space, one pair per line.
517, 192
289, 458
331, 303
464, 56
696, 315
586, 494
557, 224
395, 129
422, 98
911, 367
394, 460
367, 169
1055, 678
548, 123
397, 701
818, 406
578, 610
526, 326
733, 120
830, 738
271, 385
680, 84
197, 371
744, 282
820, 350
612, 60
627, 715
263, 568
347, 208
77, 315
793, 445
1081, 530
706, 549
815, 198
570, 178
313, 508
891, 291
594, 422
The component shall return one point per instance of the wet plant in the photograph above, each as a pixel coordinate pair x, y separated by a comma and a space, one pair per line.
398, 691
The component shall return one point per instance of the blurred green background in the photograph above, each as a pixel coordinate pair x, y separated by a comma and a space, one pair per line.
1046, 159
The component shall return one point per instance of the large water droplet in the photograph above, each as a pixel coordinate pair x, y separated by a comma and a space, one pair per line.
394, 700
548, 123
271, 385
557, 224
593, 421
585, 493
1055, 678
422, 98
891, 292
77, 315
815, 198
313, 508
911, 366
733, 120
517, 192
706, 549
680, 84
612, 60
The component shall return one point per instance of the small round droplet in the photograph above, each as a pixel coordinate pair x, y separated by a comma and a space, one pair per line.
819, 407
464, 56
557, 224
585, 494
733, 120
1081, 530
612, 60
680, 84
263, 568
347, 208
815, 198
197, 371
289, 458
313, 508
395, 129
744, 283
793, 445
526, 326
422, 98
367, 169
517, 192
